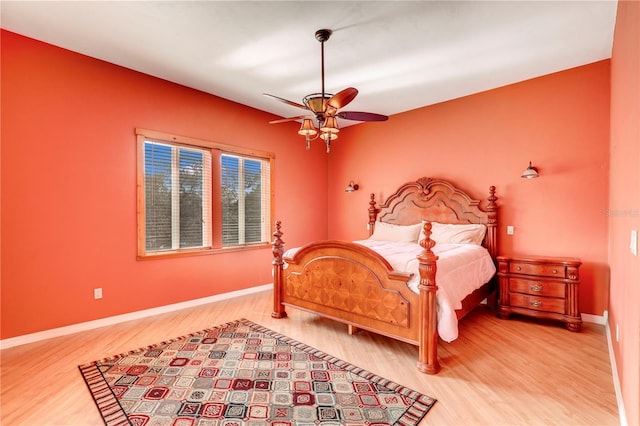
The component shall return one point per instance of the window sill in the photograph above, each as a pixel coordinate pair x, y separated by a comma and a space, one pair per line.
171, 254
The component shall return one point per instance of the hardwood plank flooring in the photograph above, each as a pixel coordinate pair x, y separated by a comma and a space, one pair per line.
498, 372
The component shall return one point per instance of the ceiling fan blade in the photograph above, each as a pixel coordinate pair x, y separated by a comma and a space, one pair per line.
286, 101
361, 116
285, 120
343, 97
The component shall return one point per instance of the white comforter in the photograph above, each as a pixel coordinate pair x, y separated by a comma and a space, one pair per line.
462, 268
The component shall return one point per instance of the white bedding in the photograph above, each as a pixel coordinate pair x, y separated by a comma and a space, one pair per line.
461, 268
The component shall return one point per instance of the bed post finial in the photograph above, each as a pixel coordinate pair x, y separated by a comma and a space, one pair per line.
428, 332
373, 213
277, 247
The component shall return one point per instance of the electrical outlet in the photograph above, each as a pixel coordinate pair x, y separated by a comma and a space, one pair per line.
510, 230
97, 293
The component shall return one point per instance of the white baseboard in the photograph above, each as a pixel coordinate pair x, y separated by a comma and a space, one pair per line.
614, 372
596, 319
90, 325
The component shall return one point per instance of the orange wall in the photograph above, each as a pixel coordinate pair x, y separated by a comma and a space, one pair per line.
560, 122
69, 188
625, 202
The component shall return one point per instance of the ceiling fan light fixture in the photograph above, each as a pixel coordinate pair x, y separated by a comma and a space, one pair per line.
307, 128
330, 125
328, 136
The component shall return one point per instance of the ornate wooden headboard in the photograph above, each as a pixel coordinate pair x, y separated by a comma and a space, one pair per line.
437, 200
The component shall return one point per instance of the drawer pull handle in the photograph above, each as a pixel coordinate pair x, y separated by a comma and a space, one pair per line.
518, 268
535, 303
555, 271
535, 287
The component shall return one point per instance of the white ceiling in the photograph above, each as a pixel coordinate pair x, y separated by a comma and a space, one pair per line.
401, 55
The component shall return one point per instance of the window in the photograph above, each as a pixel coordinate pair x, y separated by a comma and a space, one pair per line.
198, 196
177, 196
242, 200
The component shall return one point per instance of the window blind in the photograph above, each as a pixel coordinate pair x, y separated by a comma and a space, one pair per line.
177, 196
245, 200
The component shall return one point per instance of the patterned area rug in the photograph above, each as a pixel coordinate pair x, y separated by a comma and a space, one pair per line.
241, 373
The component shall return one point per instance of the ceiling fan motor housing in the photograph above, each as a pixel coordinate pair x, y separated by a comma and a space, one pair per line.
316, 102
323, 35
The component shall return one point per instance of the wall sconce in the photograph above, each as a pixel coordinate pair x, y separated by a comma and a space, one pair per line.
530, 172
351, 187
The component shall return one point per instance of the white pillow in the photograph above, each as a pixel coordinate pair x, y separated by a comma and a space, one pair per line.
399, 233
448, 233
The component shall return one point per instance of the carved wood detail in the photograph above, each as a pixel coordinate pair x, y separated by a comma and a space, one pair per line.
428, 331
340, 284
437, 200
277, 247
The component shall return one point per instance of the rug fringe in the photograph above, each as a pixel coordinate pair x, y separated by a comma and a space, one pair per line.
108, 405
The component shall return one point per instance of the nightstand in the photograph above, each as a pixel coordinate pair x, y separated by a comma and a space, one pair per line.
540, 287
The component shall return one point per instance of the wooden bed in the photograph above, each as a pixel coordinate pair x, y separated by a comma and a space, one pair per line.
353, 284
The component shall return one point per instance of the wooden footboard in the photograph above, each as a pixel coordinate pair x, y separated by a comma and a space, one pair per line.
353, 284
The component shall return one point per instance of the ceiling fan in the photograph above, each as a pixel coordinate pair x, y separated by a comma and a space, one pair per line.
325, 107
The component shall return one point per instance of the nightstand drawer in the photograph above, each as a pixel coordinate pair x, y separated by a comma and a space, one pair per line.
537, 288
546, 304
546, 270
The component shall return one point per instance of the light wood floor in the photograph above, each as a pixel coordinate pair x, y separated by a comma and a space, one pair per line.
498, 372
